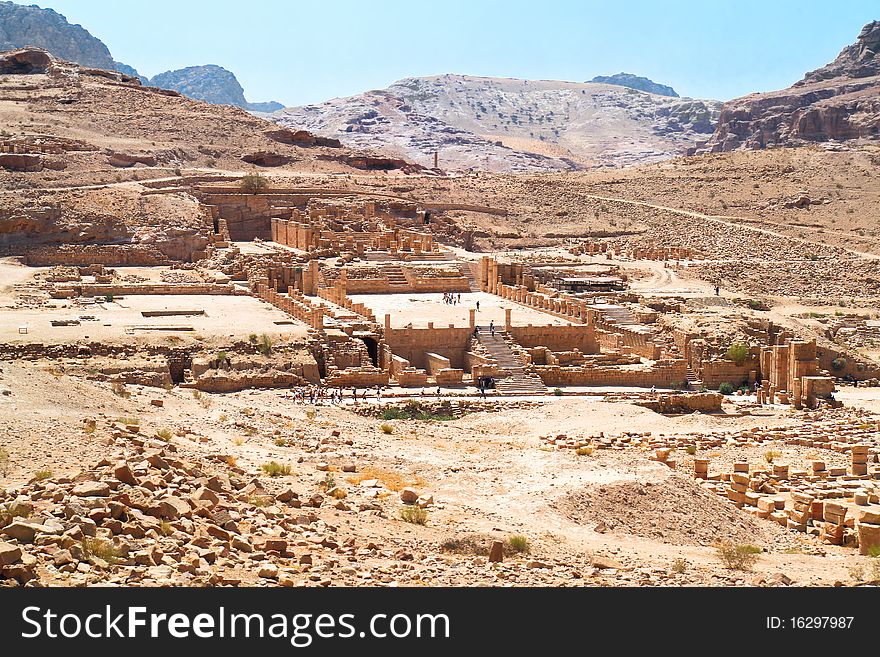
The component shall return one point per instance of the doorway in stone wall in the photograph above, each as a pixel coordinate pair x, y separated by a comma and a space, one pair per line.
372, 349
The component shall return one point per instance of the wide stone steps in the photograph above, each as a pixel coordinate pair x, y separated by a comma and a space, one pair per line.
468, 273
499, 350
521, 384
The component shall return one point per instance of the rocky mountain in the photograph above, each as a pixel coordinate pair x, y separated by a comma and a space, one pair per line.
213, 84
636, 82
22, 26
836, 102
501, 124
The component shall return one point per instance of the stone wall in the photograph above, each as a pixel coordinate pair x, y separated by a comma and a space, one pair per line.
716, 372
414, 344
557, 338
663, 374
112, 255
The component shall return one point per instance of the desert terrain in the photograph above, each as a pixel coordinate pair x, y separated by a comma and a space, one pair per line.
237, 353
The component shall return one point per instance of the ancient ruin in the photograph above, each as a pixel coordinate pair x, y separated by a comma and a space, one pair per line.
238, 354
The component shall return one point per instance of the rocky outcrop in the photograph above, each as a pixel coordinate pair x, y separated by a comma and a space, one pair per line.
22, 26
266, 159
25, 61
125, 160
375, 163
212, 84
21, 162
858, 60
302, 138
839, 101
636, 82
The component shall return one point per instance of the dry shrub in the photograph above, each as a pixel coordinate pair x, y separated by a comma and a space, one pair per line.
738, 557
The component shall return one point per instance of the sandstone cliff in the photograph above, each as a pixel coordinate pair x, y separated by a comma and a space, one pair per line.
839, 101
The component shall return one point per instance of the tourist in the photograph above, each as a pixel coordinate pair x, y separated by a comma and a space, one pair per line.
478, 306
492, 327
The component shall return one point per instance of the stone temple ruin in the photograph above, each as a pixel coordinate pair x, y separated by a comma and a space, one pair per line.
359, 274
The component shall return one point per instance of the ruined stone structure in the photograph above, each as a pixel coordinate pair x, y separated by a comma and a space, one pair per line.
791, 375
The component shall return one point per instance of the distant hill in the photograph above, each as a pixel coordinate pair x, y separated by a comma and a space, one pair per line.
636, 82
501, 124
213, 84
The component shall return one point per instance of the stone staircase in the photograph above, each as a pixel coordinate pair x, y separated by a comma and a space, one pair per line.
395, 276
499, 349
468, 273
513, 379
692, 378
521, 384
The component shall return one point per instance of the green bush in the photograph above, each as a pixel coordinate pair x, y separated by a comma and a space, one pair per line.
738, 557
726, 388
253, 183
413, 410
838, 364
414, 514
275, 469
265, 345
738, 353
519, 544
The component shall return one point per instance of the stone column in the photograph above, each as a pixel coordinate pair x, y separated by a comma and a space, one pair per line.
507, 322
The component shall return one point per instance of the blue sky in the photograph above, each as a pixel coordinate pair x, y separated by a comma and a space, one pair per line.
301, 52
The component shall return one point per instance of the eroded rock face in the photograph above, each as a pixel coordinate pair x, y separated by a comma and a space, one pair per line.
839, 101
21, 162
858, 60
26, 61
124, 160
302, 138
266, 159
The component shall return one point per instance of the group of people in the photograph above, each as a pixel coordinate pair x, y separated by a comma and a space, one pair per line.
451, 299
319, 395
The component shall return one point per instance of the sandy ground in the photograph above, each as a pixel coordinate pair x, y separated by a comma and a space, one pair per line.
117, 321
488, 472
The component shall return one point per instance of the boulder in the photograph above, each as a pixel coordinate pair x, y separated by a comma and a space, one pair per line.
21, 531
123, 473
9, 554
91, 489
173, 508
409, 495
